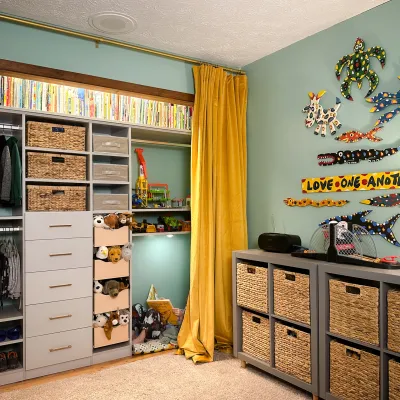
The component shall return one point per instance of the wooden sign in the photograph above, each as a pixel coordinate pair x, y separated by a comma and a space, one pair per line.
347, 183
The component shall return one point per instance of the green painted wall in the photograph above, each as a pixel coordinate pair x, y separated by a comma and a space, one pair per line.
282, 151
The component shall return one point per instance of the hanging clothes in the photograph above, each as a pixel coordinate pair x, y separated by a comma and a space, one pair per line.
16, 172
6, 177
3, 143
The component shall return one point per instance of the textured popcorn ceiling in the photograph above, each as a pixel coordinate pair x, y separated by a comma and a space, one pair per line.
227, 32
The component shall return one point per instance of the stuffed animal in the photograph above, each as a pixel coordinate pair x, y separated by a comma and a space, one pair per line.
112, 323
152, 324
98, 221
124, 317
124, 219
100, 320
127, 251
97, 287
123, 284
111, 221
102, 253
112, 288
114, 254
138, 313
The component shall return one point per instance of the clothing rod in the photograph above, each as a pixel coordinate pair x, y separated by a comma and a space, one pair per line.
160, 143
11, 127
98, 40
10, 229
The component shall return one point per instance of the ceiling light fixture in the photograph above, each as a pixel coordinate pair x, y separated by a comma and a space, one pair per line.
112, 23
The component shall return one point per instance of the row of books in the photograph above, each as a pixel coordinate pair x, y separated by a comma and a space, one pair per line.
43, 96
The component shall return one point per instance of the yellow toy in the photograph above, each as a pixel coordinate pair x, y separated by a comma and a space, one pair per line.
142, 185
151, 228
309, 202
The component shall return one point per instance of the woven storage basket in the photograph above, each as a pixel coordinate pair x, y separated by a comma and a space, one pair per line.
252, 287
56, 198
354, 311
292, 295
354, 373
394, 380
54, 136
256, 335
393, 302
293, 352
57, 166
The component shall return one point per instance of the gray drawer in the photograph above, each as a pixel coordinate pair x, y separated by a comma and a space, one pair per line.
117, 202
65, 284
60, 316
58, 225
58, 348
110, 172
48, 255
110, 144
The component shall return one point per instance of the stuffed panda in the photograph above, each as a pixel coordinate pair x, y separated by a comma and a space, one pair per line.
100, 320
97, 287
98, 221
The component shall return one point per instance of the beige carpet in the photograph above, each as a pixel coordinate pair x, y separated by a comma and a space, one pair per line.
168, 377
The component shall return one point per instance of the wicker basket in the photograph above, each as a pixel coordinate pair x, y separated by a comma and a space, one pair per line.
393, 302
394, 380
292, 295
252, 287
54, 136
293, 352
354, 373
256, 336
56, 166
354, 311
56, 198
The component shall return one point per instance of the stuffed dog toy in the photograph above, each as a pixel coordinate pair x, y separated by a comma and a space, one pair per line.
127, 251
100, 320
112, 288
111, 221
98, 221
97, 287
112, 323
114, 254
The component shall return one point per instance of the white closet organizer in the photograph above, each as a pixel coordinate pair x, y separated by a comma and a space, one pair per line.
57, 270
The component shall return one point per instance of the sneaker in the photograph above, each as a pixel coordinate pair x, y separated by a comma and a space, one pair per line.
3, 362
12, 360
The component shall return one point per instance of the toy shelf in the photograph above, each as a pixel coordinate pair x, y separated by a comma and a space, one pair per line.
161, 233
160, 209
10, 313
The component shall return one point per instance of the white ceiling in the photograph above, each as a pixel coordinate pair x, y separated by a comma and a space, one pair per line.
227, 32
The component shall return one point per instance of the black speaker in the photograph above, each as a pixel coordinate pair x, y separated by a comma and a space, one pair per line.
278, 242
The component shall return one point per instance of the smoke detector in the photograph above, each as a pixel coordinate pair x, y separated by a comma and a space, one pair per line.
112, 23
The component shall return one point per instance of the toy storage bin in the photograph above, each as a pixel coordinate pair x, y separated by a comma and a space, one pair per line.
117, 202
292, 295
394, 380
393, 303
110, 172
256, 335
354, 373
105, 303
111, 237
55, 166
118, 335
56, 136
354, 311
252, 287
108, 270
56, 198
110, 144
293, 351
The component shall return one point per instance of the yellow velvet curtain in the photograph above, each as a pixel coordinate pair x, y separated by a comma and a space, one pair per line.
218, 196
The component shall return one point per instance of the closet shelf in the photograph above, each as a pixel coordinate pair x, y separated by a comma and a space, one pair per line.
46, 150
8, 342
291, 321
10, 313
354, 341
161, 233
156, 210
114, 183
110, 211
11, 218
97, 153
61, 181
392, 353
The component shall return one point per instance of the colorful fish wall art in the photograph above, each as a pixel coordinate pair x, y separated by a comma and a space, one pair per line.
391, 200
374, 228
355, 136
383, 100
358, 68
323, 117
309, 202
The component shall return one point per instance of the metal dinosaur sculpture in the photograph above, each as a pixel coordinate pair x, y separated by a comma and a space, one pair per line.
358, 64
354, 157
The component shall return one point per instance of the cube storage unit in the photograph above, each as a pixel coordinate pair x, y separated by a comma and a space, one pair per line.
393, 304
394, 379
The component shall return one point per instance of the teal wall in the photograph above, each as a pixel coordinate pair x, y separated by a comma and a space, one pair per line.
282, 151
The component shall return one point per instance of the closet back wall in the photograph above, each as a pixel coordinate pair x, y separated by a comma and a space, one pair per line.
282, 151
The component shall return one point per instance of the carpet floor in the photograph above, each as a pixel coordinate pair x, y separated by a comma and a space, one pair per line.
168, 377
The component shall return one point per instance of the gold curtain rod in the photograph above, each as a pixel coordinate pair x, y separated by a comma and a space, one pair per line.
99, 39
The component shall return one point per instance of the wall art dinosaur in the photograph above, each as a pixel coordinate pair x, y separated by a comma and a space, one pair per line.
383, 100
323, 117
309, 202
374, 228
355, 136
358, 64
391, 200
355, 156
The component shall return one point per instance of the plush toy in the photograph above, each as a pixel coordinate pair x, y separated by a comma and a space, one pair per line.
138, 313
114, 254
102, 253
127, 251
124, 317
100, 320
124, 219
123, 284
98, 221
111, 221
112, 323
97, 287
112, 288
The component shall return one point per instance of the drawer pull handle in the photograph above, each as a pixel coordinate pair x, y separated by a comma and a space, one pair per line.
292, 333
256, 320
251, 270
111, 144
59, 254
60, 348
112, 172
353, 354
60, 317
353, 290
290, 277
61, 226
62, 285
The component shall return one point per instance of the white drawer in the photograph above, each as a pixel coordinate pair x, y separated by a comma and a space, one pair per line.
58, 348
49, 255
60, 316
58, 225
65, 284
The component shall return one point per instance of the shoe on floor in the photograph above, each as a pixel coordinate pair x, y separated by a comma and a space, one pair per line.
12, 360
3, 362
